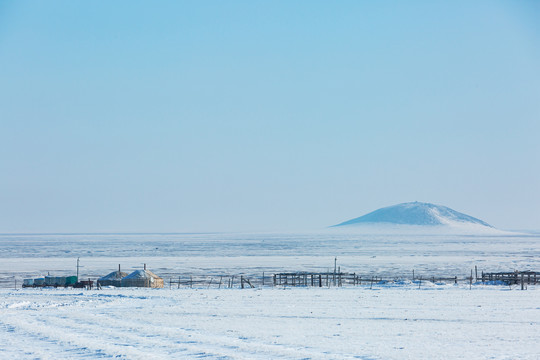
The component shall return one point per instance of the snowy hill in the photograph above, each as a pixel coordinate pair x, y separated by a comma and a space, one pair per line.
420, 216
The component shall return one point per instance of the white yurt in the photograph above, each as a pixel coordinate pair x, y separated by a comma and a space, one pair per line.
142, 278
112, 279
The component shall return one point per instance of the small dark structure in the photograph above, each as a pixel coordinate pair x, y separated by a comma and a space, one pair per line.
85, 284
112, 279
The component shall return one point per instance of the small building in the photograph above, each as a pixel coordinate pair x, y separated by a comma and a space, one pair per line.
142, 278
112, 279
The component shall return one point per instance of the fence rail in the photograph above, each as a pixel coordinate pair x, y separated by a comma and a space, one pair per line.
335, 279
340, 279
516, 277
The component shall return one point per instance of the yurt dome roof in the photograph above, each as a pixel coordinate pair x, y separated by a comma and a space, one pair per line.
142, 274
115, 275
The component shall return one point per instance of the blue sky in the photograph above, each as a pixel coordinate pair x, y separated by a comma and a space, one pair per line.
242, 116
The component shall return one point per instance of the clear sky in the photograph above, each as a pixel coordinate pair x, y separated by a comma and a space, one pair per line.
175, 116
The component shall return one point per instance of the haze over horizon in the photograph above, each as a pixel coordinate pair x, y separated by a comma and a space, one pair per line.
253, 116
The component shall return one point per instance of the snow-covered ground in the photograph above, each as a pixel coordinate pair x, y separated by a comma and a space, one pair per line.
390, 321
397, 322
173, 255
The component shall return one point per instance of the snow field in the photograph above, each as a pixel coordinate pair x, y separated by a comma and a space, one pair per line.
392, 321
173, 255
397, 322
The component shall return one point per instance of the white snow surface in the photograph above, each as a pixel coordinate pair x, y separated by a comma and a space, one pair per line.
171, 255
396, 320
399, 322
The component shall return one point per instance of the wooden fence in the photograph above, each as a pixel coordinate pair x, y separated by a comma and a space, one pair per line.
510, 278
339, 279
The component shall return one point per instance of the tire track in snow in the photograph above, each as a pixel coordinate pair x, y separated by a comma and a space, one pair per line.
110, 333
31, 343
212, 345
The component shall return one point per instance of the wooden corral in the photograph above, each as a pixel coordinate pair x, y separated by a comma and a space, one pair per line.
516, 277
316, 279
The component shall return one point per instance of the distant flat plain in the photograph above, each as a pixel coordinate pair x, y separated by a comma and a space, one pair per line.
171, 255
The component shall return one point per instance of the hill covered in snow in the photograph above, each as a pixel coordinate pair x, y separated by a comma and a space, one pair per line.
418, 215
